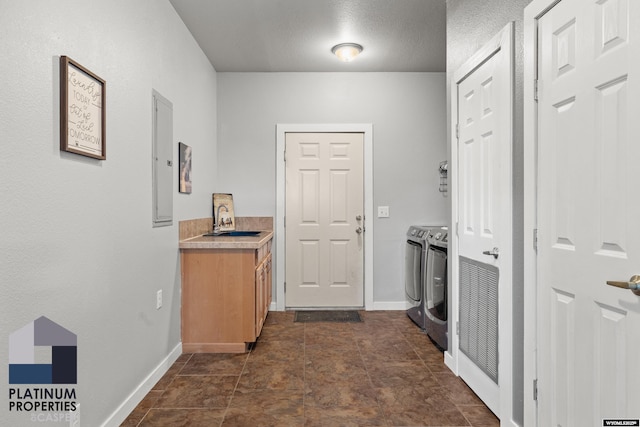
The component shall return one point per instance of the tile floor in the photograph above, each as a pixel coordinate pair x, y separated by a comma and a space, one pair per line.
380, 372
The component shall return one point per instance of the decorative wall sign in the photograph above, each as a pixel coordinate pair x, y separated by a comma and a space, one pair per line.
224, 218
82, 110
184, 153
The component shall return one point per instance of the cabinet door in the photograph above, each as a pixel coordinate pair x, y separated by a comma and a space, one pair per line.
263, 292
260, 297
268, 285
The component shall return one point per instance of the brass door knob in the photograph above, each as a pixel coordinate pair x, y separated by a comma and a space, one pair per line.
633, 284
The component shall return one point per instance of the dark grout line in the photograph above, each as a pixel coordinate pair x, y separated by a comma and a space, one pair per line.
235, 388
304, 370
367, 369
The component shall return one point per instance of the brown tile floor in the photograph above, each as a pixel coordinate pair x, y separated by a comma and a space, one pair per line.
380, 372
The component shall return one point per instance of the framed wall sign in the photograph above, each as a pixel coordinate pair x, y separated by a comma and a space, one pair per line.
224, 217
184, 177
82, 110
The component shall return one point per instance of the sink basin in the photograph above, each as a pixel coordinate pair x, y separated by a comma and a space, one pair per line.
234, 233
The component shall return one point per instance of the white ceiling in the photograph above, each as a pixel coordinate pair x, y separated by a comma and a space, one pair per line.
297, 35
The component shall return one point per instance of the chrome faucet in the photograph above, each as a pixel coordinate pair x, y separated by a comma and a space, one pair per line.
216, 227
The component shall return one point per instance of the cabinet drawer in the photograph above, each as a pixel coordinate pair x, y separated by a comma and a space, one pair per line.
262, 252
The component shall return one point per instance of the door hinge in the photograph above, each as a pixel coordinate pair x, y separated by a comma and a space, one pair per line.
535, 89
457, 228
457, 131
535, 239
457, 328
535, 389
285, 156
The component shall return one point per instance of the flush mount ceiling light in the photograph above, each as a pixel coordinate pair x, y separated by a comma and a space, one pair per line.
347, 51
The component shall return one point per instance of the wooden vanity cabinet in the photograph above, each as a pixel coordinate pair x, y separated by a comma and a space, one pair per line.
226, 294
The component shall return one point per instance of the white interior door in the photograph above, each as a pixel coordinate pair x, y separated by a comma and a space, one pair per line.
484, 115
588, 202
324, 220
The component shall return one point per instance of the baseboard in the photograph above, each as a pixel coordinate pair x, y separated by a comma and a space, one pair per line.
129, 404
391, 305
450, 362
380, 305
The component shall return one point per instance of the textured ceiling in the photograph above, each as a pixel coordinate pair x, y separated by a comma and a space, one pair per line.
297, 35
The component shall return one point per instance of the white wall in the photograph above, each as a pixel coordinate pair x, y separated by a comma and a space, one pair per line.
76, 242
408, 114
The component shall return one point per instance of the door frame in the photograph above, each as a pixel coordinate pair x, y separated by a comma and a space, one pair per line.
281, 131
503, 40
532, 13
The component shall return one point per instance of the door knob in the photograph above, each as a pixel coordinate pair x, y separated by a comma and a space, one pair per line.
495, 252
358, 217
633, 284
359, 230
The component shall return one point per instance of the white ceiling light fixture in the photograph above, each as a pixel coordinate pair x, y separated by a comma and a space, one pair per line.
347, 51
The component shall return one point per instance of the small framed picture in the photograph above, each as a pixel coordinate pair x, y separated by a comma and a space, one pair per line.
224, 218
82, 110
185, 168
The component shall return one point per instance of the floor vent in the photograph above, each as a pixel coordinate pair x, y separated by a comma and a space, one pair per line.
478, 315
327, 316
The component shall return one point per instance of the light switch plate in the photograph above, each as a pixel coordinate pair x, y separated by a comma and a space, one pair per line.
383, 211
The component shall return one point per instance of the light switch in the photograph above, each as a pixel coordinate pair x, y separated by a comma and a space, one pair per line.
383, 211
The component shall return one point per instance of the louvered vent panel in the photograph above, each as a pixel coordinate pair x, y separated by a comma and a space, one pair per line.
478, 315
